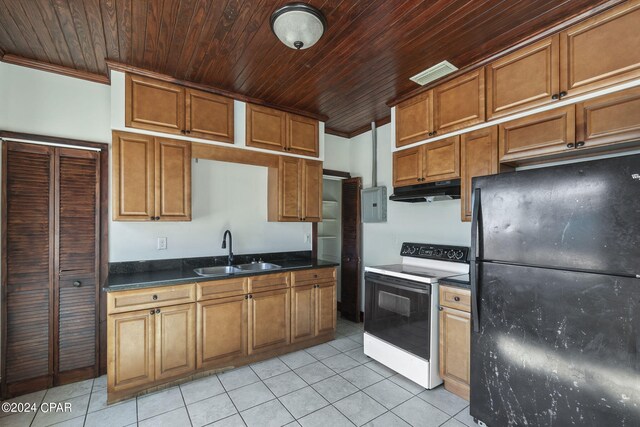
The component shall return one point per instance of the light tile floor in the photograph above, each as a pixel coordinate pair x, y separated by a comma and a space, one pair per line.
332, 384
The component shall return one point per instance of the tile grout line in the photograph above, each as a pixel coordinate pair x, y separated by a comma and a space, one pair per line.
185, 405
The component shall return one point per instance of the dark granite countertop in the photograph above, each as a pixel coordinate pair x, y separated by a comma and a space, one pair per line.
457, 281
145, 274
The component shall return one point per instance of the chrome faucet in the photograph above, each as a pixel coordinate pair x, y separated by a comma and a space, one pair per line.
224, 246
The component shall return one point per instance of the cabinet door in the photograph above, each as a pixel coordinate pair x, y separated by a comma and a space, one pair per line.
266, 128
303, 312
527, 78
222, 330
478, 157
173, 180
130, 349
209, 116
154, 105
302, 135
459, 103
550, 132
133, 177
175, 336
441, 160
407, 167
311, 191
414, 119
601, 51
455, 343
609, 119
290, 189
326, 308
269, 317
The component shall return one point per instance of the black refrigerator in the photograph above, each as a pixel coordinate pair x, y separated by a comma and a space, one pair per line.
555, 277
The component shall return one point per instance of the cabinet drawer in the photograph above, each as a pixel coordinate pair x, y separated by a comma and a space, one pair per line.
118, 302
221, 288
315, 276
269, 282
457, 298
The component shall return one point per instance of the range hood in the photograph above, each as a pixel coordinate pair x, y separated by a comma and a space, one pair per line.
431, 192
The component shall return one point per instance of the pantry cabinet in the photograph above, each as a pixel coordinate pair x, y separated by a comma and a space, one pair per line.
478, 157
295, 190
276, 130
526, 78
162, 106
151, 178
430, 162
455, 340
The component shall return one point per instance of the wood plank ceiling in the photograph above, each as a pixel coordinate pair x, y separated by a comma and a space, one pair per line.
365, 58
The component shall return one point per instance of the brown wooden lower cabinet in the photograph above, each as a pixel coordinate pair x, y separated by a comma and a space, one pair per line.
213, 325
222, 330
455, 340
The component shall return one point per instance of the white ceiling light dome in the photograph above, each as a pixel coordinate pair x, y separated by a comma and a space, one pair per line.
298, 25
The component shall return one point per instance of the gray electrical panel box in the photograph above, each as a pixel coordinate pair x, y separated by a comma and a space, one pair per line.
374, 204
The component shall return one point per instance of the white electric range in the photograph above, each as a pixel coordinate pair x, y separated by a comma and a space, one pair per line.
402, 305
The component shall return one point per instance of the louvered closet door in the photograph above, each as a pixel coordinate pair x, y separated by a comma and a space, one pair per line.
78, 178
29, 227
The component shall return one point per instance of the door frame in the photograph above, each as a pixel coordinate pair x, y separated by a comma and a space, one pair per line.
103, 212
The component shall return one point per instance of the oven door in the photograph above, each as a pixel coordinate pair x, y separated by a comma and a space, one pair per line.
398, 312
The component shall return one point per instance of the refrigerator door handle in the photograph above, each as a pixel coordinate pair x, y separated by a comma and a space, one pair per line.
473, 264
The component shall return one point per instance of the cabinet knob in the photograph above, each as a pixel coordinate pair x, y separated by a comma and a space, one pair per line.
157, 310
456, 298
152, 311
440, 308
579, 144
570, 145
157, 218
430, 133
77, 283
555, 96
246, 297
155, 297
250, 296
187, 132
152, 218
562, 94
435, 132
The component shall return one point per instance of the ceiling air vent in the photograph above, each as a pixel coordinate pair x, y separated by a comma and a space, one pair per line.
434, 73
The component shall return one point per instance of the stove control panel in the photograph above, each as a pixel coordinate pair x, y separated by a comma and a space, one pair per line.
438, 252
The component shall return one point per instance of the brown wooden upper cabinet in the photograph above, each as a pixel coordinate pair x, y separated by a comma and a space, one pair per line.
431, 162
295, 191
166, 107
542, 134
151, 178
478, 157
526, 78
459, 103
414, 119
276, 130
601, 51
609, 119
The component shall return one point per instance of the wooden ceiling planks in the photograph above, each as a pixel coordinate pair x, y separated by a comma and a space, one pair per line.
369, 51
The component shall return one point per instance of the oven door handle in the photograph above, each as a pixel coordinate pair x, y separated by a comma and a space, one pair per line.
398, 286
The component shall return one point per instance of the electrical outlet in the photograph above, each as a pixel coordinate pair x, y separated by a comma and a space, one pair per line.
162, 243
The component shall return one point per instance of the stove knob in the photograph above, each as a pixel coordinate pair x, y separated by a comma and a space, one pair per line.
438, 252
451, 254
459, 254
412, 250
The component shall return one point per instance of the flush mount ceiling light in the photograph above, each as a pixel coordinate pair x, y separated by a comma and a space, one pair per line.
298, 25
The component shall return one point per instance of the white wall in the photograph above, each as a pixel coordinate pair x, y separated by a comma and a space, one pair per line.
34, 101
224, 195
336, 153
437, 222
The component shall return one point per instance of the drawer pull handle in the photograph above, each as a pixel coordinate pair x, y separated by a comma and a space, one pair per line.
456, 298
77, 283
155, 297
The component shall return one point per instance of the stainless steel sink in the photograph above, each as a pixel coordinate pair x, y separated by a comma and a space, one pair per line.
259, 266
217, 271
